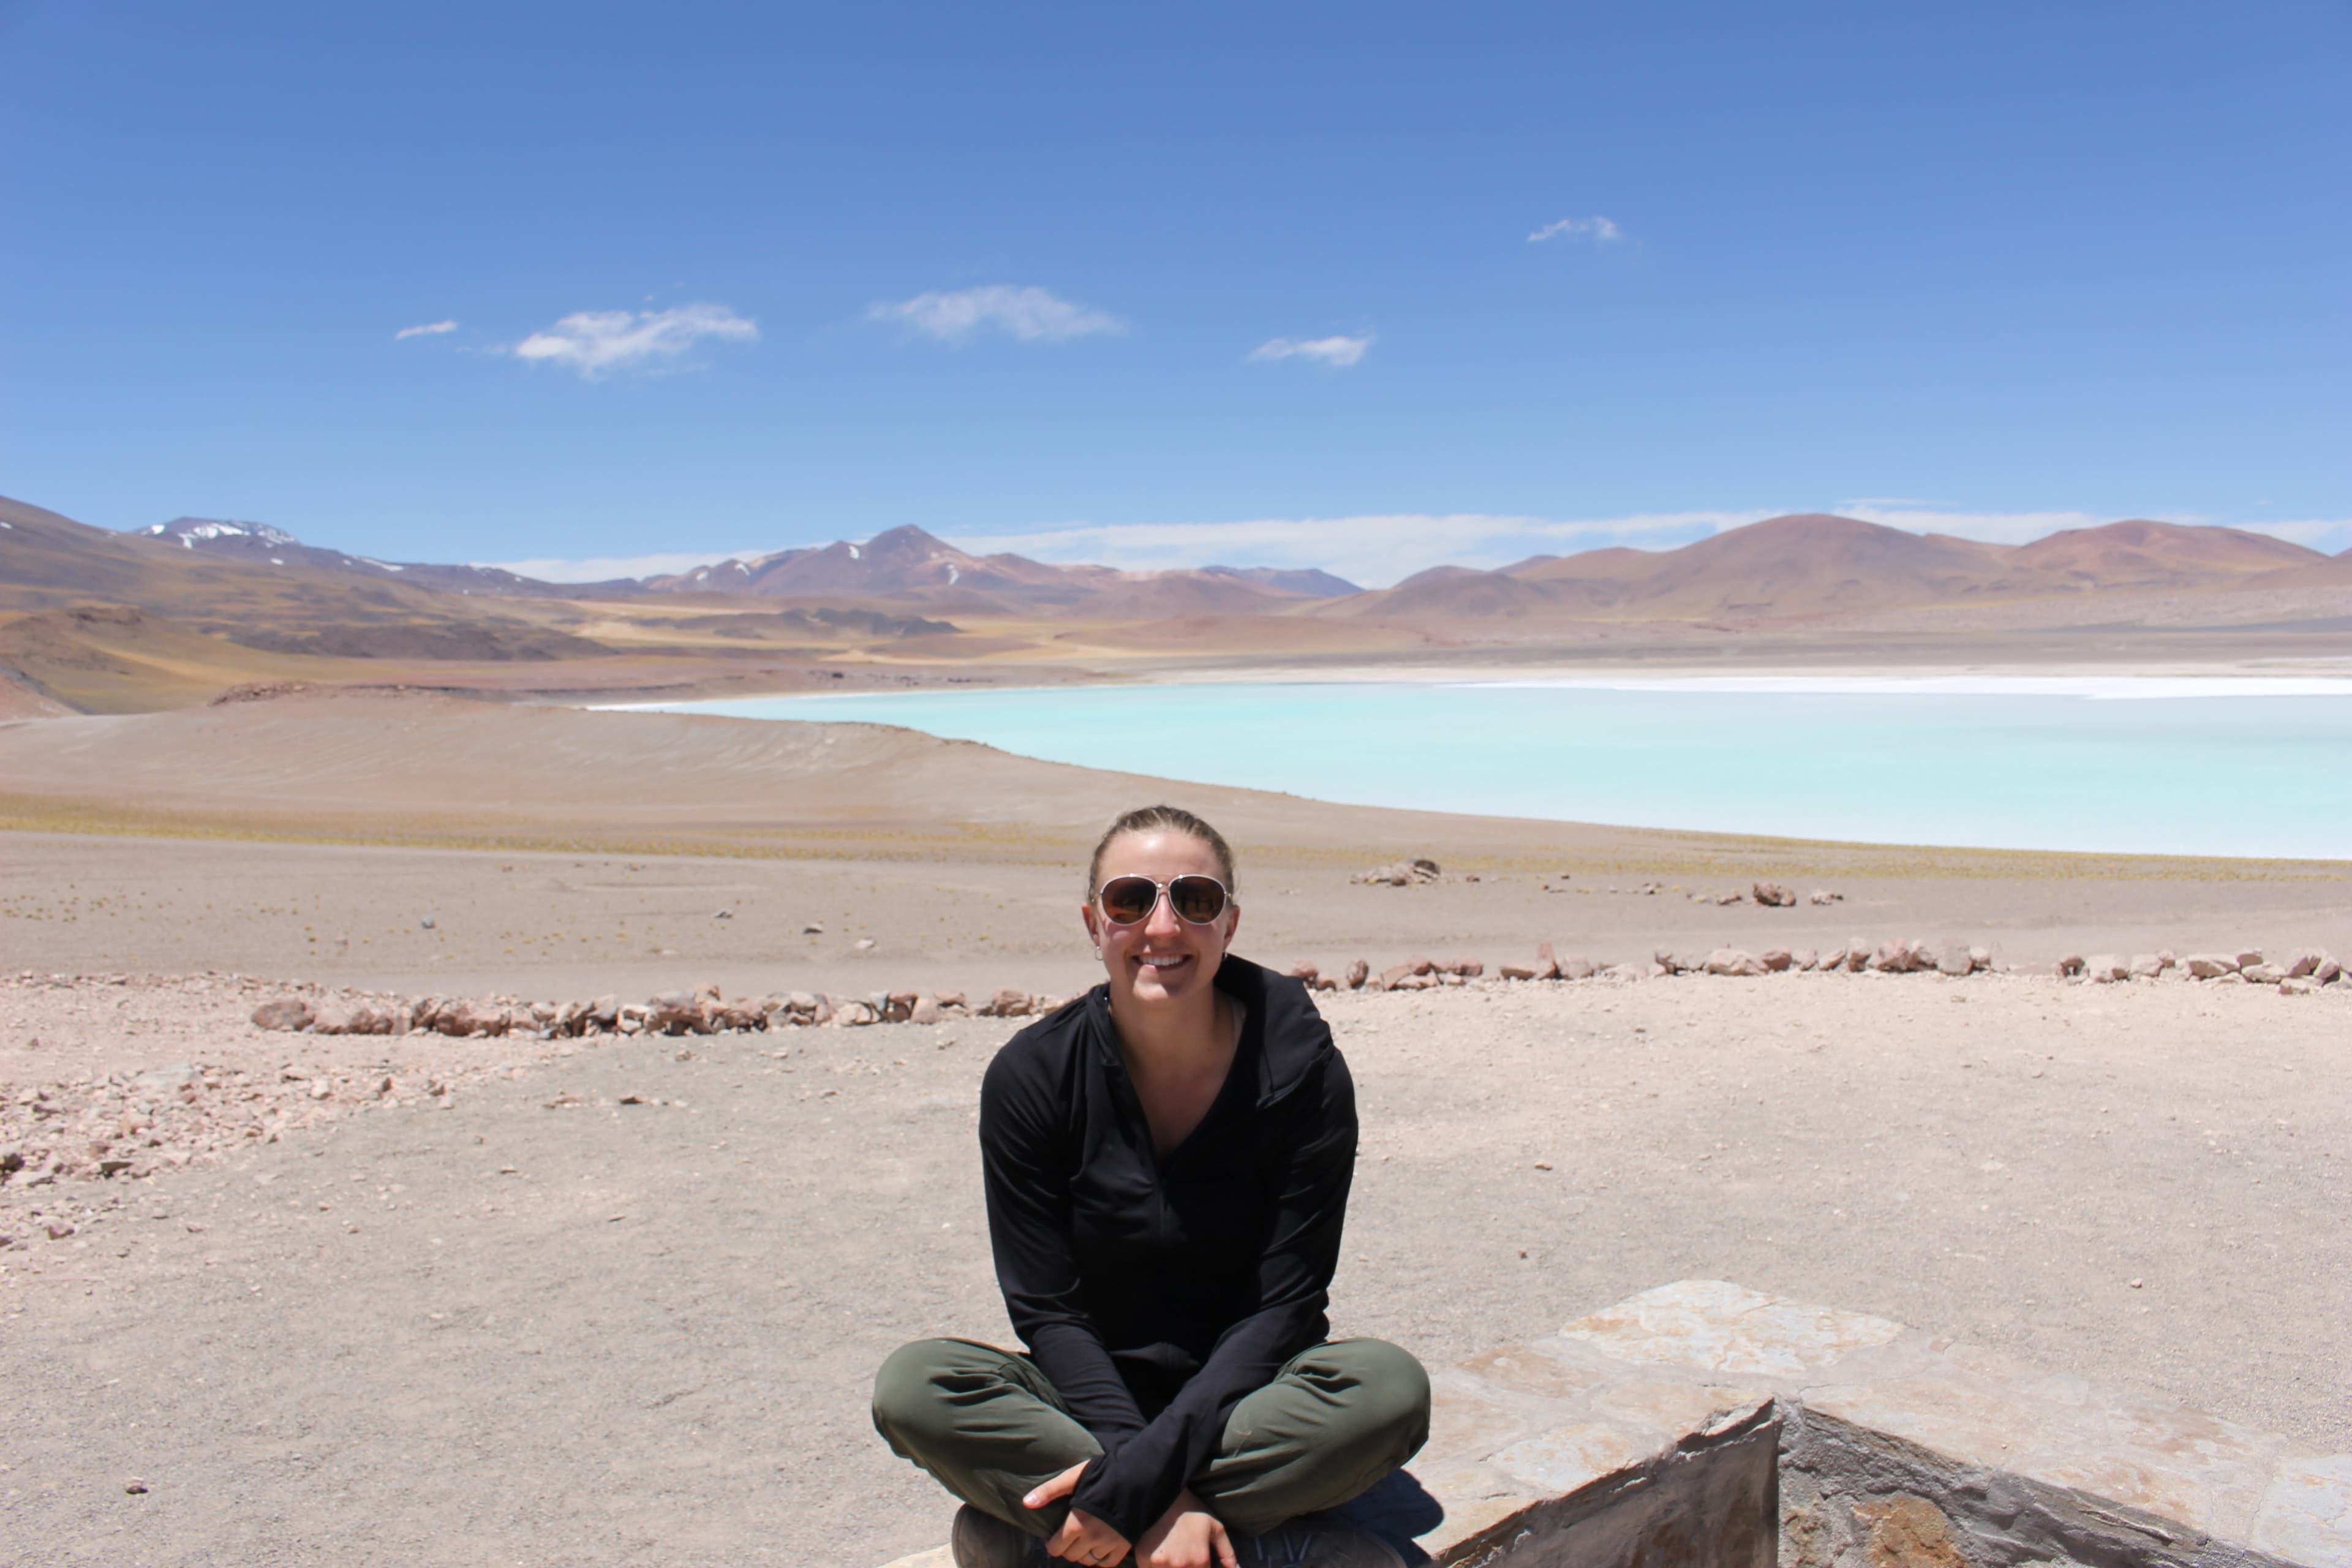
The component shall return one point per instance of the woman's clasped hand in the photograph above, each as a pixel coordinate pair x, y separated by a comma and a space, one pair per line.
1187, 1536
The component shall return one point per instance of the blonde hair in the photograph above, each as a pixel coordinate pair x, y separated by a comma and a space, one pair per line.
1163, 820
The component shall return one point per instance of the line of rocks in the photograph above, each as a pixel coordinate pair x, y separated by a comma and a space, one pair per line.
1769, 895
2300, 972
2305, 970
705, 1010
66, 1147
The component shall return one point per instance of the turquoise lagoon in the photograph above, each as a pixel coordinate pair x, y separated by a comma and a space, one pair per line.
2213, 766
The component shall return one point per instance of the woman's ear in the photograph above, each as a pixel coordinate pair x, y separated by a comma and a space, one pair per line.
1086, 913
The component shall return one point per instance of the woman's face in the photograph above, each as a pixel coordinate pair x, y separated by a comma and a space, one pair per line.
1160, 960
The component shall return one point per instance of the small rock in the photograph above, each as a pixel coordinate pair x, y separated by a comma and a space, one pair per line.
1824, 896
2248, 959
2302, 962
2263, 973
2106, 969
722, 914
286, 1014
2211, 965
1777, 959
2295, 986
134, 1485
812, 928
426, 922
863, 943
2071, 964
1357, 973
1774, 895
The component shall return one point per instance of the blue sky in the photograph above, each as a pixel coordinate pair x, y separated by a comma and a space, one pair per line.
1366, 287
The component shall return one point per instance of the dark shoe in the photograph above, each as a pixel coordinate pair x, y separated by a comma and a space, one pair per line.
1318, 1542
983, 1541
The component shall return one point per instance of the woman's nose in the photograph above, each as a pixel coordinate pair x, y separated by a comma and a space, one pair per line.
1163, 922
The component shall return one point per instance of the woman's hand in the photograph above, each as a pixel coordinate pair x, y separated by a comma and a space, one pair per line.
1083, 1538
1187, 1536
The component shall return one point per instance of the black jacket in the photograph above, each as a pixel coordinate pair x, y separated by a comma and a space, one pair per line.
1155, 1292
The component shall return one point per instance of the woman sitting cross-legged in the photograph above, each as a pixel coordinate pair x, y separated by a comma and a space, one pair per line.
1167, 1162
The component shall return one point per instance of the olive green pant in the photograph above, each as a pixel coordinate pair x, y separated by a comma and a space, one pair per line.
989, 1427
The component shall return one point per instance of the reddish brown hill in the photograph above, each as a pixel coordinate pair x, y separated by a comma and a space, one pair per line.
1617, 562
1458, 594
1807, 564
1811, 564
2137, 554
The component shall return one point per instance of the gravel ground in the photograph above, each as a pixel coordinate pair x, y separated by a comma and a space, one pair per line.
622, 1305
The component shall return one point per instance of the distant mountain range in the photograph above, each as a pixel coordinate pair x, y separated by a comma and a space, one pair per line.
260, 543
1801, 565
102, 621
909, 565
1812, 564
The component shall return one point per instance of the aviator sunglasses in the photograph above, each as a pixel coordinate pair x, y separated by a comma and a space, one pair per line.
1196, 899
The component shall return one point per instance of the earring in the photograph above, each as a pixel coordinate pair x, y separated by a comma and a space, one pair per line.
1097, 950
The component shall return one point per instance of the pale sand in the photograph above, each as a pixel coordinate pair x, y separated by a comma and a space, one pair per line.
686, 1383
529, 1331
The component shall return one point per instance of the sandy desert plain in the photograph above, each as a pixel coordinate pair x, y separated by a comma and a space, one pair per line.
619, 1298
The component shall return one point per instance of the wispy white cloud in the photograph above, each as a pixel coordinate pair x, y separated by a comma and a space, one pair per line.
602, 568
1598, 230
1372, 551
429, 330
598, 343
1337, 351
1028, 313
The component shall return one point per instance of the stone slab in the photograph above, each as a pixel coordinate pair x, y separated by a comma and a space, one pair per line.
1705, 1425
